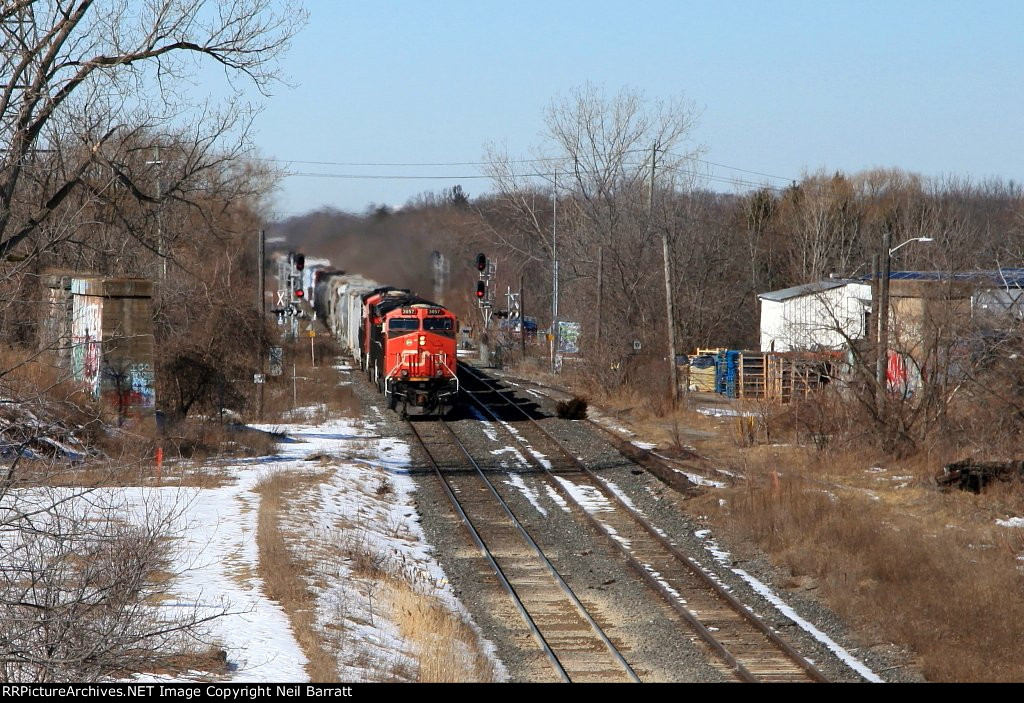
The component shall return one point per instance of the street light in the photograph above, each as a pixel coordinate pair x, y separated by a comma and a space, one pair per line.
913, 239
882, 338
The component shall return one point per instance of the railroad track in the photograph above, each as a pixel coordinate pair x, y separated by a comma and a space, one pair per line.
571, 639
669, 470
744, 645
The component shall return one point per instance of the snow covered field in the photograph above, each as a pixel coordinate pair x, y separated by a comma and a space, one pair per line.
218, 561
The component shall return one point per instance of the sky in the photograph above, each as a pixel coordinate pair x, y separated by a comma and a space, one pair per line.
784, 88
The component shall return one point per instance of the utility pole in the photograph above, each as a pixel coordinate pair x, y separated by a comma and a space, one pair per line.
159, 211
554, 274
522, 319
669, 308
874, 333
600, 290
261, 253
882, 363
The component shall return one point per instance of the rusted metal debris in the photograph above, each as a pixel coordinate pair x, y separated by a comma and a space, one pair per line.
975, 475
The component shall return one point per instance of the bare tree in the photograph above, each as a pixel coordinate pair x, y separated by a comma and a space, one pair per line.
86, 85
102, 142
596, 161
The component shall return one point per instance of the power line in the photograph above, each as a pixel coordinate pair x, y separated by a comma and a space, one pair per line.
383, 177
551, 159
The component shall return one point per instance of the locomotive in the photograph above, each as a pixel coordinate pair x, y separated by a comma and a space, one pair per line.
405, 344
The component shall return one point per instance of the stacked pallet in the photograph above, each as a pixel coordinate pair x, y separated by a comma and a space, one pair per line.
753, 376
779, 376
727, 372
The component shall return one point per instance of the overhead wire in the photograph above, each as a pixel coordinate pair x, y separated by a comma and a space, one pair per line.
713, 177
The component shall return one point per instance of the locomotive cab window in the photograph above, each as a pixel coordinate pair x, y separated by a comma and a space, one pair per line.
403, 324
443, 325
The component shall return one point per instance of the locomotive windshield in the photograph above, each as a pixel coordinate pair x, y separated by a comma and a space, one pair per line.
403, 324
440, 325
437, 324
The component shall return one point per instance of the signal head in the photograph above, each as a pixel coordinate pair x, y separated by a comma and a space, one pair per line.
481, 289
481, 262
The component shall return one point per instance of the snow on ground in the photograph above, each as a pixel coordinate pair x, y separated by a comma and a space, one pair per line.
556, 498
701, 480
723, 412
592, 500
218, 557
545, 462
362, 508
531, 495
622, 496
725, 559
485, 425
600, 418
1011, 522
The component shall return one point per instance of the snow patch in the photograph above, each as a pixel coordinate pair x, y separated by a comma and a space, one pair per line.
531, 495
725, 559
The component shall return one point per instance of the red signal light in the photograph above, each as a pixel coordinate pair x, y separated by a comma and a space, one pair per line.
299, 293
481, 262
481, 289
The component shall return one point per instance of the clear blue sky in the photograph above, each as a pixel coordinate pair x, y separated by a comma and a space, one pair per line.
785, 87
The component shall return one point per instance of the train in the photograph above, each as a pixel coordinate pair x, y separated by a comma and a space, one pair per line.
405, 344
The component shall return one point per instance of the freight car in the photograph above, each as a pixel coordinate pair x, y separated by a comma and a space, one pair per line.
404, 343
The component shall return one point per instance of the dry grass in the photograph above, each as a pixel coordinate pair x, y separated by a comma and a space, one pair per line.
314, 386
442, 646
446, 648
282, 571
871, 535
898, 559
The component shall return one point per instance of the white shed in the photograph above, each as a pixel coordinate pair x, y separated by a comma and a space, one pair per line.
822, 315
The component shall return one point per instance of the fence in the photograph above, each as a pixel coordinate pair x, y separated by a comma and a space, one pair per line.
780, 376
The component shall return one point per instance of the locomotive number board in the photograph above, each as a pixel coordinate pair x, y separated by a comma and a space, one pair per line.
435, 311
408, 311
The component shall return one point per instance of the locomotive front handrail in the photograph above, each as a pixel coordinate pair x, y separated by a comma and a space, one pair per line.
439, 359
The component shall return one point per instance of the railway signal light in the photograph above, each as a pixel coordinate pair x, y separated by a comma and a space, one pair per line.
300, 261
481, 263
481, 289
299, 293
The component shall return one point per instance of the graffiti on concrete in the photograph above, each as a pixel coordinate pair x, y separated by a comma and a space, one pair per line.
129, 387
85, 343
140, 383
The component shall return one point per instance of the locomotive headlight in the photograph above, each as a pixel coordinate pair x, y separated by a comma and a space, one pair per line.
423, 339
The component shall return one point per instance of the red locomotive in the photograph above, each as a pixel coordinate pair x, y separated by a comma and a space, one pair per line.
408, 349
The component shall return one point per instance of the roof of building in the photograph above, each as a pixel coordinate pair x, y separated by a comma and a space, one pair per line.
998, 278
805, 289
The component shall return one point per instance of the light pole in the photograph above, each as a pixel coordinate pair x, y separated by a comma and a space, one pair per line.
882, 338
